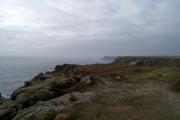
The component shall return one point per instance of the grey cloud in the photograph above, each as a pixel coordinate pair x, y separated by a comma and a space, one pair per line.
89, 28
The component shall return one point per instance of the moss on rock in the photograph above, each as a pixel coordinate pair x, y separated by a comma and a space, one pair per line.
29, 98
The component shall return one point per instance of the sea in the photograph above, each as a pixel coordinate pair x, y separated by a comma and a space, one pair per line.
14, 71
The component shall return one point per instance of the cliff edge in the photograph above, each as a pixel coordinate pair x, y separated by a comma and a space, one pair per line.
100, 91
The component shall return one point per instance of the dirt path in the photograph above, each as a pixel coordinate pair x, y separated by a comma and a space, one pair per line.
147, 100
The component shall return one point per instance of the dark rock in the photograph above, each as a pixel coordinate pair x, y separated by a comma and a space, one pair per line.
65, 67
58, 105
60, 87
8, 110
29, 98
27, 83
149, 61
1, 99
40, 77
49, 72
87, 80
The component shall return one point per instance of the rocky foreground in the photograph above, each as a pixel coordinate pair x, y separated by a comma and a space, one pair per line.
133, 91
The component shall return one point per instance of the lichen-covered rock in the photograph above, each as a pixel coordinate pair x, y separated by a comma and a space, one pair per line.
62, 86
26, 89
29, 98
51, 107
36, 86
8, 110
42, 76
49, 94
87, 80
65, 67
46, 90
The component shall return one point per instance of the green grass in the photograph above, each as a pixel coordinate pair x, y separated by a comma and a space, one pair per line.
81, 87
171, 75
175, 85
143, 107
133, 107
166, 74
50, 115
72, 98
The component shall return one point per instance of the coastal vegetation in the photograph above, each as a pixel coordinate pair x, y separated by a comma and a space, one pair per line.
135, 89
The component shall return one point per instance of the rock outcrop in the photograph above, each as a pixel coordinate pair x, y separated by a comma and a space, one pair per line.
65, 68
148, 61
1, 99
54, 106
99, 91
47, 94
8, 110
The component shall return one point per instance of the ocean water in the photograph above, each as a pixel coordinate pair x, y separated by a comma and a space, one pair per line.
14, 71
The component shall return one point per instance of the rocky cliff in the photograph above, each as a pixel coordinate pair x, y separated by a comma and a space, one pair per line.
148, 60
99, 91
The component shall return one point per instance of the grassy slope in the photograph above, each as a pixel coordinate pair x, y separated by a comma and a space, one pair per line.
146, 94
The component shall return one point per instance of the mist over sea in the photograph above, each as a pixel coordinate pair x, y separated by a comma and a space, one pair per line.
14, 71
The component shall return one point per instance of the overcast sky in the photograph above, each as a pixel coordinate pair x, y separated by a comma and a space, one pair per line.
85, 28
